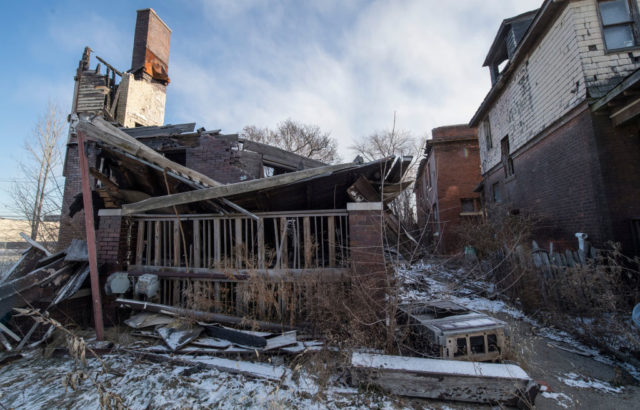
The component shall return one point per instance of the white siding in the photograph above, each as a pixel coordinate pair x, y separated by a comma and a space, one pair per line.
554, 79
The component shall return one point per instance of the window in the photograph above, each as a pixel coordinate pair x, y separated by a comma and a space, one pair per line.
469, 206
496, 194
507, 161
487, 134
617, 21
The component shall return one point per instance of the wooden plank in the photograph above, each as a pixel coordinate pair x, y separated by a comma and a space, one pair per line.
307, 242
331, 232
157, 248
284, 258
234, 335
196, 243
8, 331
445, 379
35, 244
229, 190
625, 114
280, 158
105, 132
91, 238
260, 243
159, 131
216, 243
177, 240
238, 242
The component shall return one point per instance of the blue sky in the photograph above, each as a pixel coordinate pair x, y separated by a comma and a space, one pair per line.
343, 65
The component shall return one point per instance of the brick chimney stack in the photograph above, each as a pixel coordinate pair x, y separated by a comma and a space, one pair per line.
151, 46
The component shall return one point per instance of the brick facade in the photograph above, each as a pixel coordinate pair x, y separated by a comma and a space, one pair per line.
453, 161
573, 170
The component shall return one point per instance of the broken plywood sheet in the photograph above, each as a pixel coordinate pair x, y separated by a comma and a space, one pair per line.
178, 334
77, 251
244, 338
145, 319
444, 379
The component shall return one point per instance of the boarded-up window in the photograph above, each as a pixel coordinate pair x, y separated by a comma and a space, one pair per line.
507, 161
487, 134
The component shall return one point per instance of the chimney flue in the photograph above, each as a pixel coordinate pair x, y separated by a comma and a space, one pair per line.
151, 46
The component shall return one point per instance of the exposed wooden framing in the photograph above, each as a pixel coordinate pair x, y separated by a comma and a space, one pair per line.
306, 231
91, 238
103, 131
626, 84
626, 113
331, 231
228, 190
35, 244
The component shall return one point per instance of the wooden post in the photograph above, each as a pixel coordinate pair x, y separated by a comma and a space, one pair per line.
216, 242
261, 243
140, 242
307, 242
238, 222
331, 232
196, 243
91, 238
157, 252
284, 257
176, 243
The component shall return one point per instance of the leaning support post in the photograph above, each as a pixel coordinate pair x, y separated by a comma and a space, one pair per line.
91, 238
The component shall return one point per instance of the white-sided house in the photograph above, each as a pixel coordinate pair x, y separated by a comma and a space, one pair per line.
558, 131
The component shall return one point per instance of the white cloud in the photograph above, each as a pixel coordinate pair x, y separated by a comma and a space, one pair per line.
421, 59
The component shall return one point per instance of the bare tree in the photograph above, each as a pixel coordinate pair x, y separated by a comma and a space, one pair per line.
394, 142
306, 140
38, 197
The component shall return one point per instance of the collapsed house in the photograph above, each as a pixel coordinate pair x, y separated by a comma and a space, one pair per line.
196, 208
558, 131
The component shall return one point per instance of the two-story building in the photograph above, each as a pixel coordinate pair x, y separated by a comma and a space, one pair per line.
558, 131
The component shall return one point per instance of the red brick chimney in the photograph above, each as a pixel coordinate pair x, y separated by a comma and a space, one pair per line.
151, 46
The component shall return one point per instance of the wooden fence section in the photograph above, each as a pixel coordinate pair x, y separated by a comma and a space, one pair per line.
293, 240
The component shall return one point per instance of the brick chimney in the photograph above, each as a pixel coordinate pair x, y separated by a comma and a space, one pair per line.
151, 46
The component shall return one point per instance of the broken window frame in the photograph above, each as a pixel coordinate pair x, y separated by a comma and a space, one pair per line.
507, 160
488, 140
631, 23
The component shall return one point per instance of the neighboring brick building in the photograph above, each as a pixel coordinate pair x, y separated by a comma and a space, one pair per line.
445, 184
552, 141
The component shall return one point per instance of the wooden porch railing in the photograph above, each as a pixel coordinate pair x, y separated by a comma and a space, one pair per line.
280, 241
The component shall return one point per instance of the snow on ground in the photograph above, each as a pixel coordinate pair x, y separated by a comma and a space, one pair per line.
36, 383
416, 278
560, 398
575, 380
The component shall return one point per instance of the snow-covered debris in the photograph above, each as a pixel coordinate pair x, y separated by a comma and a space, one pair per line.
575, 380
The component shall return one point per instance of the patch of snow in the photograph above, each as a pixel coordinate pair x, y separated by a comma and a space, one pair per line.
574, 380
562, 399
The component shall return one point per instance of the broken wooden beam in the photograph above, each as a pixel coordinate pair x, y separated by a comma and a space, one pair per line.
445, 379
229, 190
199, 315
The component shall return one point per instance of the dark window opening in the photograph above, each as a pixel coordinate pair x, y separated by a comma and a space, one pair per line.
618, 28
507, 161
477, 344
496, 192
492, 342
487, 135
469, 205
461, 347
178, 156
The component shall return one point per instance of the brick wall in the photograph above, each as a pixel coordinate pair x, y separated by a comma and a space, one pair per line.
559, 179
367, 251
111, 241
219, 159
619, 155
